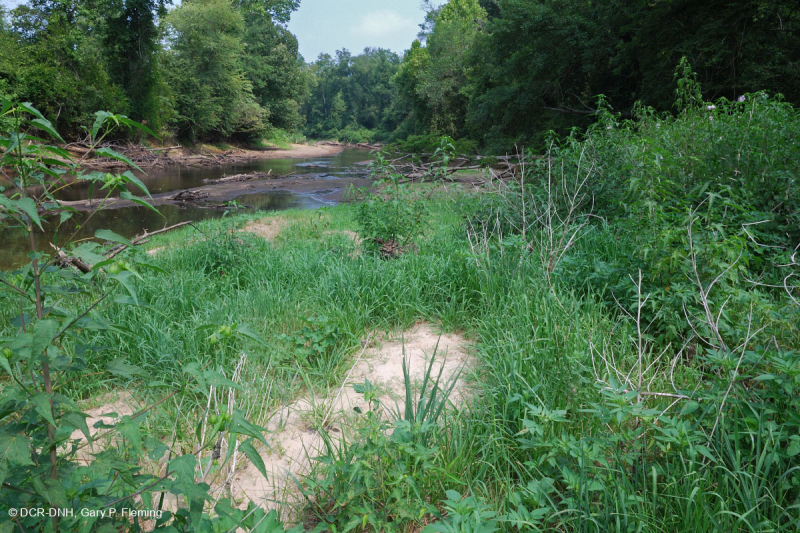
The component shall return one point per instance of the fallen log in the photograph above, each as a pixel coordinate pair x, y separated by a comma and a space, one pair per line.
68, 261
189, 196
143, 238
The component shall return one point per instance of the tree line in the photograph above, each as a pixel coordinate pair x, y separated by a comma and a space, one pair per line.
499, 72
505, 72
204, 70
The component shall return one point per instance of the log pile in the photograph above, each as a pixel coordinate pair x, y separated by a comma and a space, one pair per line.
502, 167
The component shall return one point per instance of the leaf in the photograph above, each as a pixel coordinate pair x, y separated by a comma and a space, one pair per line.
27, 106
240, 425
218, 380
45, 125
132, 123
41, 402
245, 331
136, 181
108, 235
59, 152
125, 195
794, 447
123, 279
29, 207
247, 448
16, 449
44, 331
78, 421
101, 117
120, 367
108, 152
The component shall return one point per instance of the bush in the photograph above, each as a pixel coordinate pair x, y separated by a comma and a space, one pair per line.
389, 220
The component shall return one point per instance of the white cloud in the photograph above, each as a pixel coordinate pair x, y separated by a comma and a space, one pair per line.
385, 23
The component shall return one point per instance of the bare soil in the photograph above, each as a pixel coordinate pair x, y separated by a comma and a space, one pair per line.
294, 435
203, 155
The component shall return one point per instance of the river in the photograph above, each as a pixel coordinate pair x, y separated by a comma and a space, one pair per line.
336, 172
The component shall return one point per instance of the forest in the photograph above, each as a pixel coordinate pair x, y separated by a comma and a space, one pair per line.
540, 272
500, 73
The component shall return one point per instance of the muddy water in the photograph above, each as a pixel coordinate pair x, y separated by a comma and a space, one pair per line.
131, 221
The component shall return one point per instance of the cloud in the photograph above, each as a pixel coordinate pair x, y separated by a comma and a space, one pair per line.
385, 23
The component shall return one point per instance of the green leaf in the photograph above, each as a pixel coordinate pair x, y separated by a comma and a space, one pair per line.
59, 152
218, 380
120, 367
132, 123
27, 106
16, 449
245, 331
794, 447
247, 448
45, 125
44, 331
108, 152
78, 421
29, 207
101, 117
123, 278
41, 402
108, 235
136, 181
125, 195
240, 425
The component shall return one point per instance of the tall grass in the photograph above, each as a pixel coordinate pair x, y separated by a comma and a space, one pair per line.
605, 402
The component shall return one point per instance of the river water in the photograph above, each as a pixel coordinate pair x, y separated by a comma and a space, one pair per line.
131, 221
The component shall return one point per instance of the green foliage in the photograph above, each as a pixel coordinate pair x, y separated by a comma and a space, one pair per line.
213, 96
272, 65
130, 38
45, 355
350, 96
385, 477
428, 144
389, 219
316, 341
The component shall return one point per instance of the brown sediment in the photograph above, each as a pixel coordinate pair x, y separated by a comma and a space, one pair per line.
202, 157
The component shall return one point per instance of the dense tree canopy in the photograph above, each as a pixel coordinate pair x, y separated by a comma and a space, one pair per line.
500, 72
204, 69
505, 72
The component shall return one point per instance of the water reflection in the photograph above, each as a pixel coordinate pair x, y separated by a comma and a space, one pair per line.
14, 245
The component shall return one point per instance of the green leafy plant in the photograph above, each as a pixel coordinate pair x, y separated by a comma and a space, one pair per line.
316, 341
43, 466
389, 217
385, 479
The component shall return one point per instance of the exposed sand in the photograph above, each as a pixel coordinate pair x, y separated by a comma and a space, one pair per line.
293, 433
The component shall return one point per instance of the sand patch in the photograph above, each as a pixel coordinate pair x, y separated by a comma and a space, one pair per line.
293, 435
269, 228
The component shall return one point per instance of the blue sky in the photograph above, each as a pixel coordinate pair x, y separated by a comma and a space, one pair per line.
330, 25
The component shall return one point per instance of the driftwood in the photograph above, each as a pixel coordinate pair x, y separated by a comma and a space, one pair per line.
67, 261
142, 239
189, 196
243, 177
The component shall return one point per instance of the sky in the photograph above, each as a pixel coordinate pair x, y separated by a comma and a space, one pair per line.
324, 26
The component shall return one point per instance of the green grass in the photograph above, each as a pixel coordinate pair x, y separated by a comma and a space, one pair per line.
555, 437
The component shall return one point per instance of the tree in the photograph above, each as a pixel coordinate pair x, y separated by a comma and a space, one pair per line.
213, 97
52, 56
273, 66
130, 39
